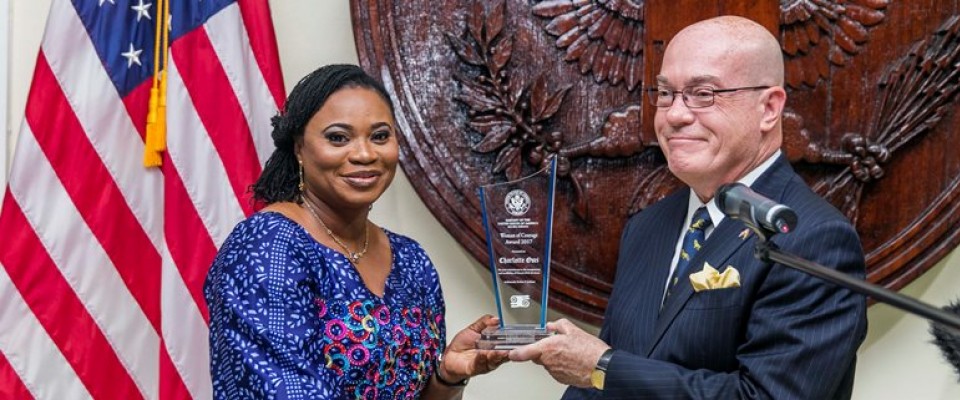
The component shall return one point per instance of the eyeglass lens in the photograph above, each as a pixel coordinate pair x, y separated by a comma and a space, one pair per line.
693, 97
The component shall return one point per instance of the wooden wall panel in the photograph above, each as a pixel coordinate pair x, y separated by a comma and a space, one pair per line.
871, 119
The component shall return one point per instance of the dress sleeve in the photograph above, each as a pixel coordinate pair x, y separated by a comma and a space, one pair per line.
262, 315
428, 293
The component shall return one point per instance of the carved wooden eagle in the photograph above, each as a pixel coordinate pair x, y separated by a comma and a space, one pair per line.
605, 37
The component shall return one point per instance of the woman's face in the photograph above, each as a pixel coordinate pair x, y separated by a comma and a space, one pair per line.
349, 149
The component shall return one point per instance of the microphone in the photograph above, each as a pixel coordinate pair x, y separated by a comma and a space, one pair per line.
738, 201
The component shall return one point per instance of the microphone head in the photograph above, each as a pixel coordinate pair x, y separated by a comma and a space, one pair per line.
948, 340
784, 218
721, 194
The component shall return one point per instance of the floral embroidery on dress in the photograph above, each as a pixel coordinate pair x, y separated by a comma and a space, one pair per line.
366, 344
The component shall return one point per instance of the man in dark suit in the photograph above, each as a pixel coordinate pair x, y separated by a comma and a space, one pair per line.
693, 313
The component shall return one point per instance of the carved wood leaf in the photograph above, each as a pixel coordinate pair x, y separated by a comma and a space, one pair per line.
553, 102
496, 132
475, 21
502, 51
508, 161
494, 24
477, 97
466, 51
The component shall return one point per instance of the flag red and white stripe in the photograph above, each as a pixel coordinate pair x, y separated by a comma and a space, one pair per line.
103, 259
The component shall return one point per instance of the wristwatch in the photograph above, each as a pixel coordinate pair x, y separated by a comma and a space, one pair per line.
599, 374
436, 371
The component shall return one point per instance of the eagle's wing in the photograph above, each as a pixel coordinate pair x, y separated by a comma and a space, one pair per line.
604, 37
817, 33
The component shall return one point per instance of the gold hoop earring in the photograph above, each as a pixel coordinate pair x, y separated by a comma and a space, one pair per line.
301, 185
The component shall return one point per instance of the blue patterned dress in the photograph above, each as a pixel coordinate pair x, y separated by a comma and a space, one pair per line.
291, 318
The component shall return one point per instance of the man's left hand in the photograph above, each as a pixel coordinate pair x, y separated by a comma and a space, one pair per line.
569, 356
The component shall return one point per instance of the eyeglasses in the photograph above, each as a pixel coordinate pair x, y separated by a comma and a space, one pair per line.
693, 96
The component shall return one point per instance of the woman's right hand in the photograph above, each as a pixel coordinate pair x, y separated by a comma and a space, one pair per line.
462, 359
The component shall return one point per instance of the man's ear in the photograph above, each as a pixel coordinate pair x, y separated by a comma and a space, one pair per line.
774, 99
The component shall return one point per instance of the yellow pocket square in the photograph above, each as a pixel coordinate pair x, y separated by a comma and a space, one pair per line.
709, 278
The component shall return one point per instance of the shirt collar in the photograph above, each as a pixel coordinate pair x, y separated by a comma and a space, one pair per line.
716, 215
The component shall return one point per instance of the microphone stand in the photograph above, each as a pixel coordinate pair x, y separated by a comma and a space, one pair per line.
768, 251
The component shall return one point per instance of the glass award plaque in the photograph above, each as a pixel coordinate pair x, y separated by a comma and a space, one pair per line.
518, 219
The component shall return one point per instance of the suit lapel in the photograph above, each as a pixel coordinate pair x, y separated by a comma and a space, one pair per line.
641, 275
774, 181
661, 252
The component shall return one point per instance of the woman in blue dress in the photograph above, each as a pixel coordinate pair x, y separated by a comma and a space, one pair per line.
309, 299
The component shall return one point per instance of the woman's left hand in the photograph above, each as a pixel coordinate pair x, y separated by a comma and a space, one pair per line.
462, 359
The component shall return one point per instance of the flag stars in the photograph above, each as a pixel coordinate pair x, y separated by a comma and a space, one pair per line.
132, 56
106, 1
142, 10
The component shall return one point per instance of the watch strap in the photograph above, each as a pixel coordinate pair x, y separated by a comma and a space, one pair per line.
604, 360
598, 377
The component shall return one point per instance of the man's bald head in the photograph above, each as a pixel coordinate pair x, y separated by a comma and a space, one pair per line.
741, 61
758, 51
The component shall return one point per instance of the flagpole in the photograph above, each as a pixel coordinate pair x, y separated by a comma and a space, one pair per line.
5, 138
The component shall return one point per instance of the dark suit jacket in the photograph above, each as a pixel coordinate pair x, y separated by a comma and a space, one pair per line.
782, 335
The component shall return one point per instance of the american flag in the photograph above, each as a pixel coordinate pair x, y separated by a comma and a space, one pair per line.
103, 259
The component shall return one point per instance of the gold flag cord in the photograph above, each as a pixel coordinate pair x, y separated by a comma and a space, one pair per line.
156, 130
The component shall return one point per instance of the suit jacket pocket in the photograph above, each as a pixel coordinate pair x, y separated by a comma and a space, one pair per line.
712, 320
715, 298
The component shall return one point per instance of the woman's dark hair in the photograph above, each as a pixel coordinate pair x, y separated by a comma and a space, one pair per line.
280, 176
